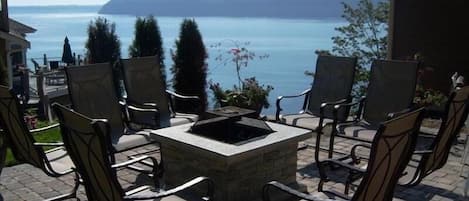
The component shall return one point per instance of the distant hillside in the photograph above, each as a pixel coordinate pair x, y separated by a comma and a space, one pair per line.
228, 8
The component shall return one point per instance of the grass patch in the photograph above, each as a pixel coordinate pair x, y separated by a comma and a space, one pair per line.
51, 135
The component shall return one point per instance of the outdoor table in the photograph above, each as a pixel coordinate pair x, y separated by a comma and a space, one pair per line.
238, 170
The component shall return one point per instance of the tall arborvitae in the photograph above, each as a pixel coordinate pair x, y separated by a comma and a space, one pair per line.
102, 45
148, 42
190, 69
3, 72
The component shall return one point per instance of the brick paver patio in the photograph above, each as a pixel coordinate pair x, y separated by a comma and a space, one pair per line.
23, 182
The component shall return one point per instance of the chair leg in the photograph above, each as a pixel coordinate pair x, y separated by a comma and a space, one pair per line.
72, 194
464, 156
331, 143
466, 187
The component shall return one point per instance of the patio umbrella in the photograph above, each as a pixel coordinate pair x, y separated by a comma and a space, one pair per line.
67, 53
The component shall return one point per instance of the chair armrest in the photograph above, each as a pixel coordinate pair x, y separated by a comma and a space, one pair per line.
335, 111
34, 131
353, 152
341, 101
138, 189
423, 152
135, 160
193, 182
280, 98
360, 107
143, 108
45, 144
175, 95
321, 111
288, 190
139, 109
357, 115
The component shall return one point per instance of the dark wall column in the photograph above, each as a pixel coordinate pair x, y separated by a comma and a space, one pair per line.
4, 21
432, 28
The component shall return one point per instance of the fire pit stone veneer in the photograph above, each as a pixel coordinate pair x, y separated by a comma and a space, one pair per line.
238, 170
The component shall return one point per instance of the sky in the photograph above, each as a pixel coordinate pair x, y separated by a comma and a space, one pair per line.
55, 2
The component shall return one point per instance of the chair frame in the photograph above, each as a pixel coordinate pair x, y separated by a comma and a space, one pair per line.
124, 108
356, 173
323, 106
358, 116
171, 96
33, 150
100, 129
439, 149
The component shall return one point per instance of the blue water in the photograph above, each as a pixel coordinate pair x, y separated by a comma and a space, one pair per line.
290, 43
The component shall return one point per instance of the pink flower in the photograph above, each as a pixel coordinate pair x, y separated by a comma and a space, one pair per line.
235, 51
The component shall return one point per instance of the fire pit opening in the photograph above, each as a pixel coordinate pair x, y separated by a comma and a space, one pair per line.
231, 130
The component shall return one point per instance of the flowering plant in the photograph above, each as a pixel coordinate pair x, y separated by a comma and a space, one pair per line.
429, 97
248, 93
424, 95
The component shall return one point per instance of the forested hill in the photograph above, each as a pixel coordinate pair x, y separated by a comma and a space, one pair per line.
228, 8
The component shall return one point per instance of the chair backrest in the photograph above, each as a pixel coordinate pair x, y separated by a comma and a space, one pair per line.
92, 93
88, 145
145, 83
16, 132
391, 151
391, 89
333, 81
456, 114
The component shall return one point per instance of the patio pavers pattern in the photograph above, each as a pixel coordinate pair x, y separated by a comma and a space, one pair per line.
23, 182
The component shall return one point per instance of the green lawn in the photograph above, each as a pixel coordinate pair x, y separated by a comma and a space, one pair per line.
52, 135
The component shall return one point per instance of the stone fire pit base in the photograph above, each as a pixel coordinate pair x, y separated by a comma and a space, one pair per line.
238, 171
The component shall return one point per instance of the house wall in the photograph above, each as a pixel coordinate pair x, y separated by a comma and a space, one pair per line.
433, 28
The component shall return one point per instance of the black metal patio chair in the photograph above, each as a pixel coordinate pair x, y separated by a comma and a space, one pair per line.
391, 150
433, 150
88, 142
16, 135
93, 93
391, 89
146, 88
333, 81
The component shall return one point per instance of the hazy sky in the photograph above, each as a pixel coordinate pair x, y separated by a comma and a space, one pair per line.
55, 2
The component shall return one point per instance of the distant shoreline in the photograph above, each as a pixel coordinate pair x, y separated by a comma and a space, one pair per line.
282, 9
97, 8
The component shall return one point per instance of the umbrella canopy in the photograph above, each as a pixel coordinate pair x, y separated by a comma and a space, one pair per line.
67, 53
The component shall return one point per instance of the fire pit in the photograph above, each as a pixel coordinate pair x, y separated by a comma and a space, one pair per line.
238, 165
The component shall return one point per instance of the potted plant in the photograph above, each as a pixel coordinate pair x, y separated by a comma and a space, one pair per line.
248, 93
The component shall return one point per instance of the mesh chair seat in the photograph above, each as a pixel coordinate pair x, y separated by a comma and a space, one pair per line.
130, 140
183, 118
304, 120
360, 130
59, 160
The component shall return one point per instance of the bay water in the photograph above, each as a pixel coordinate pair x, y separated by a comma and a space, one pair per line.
290, 44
